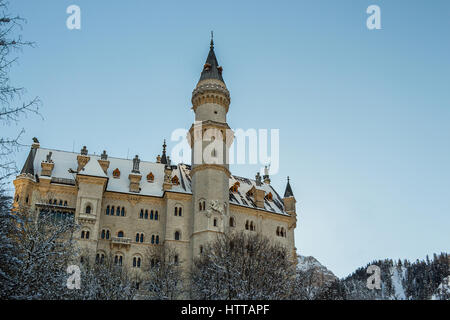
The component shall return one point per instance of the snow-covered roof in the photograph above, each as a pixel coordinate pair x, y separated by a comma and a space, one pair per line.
92, 168
64, 161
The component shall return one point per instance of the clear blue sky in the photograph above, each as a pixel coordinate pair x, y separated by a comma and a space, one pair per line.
364, 116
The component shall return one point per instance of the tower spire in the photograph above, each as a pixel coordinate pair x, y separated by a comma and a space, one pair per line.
288, 193
211, 68
164, 157
212, 40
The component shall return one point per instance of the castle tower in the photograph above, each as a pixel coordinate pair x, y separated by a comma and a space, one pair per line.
210, 138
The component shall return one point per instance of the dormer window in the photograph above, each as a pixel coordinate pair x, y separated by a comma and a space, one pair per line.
235, 187
269, 196
116, 173
175, 180
150, 177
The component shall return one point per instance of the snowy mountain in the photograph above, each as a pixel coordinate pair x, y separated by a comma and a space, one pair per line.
420, 280
402, 280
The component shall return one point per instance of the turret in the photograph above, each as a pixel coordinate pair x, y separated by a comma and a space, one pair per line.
210, 137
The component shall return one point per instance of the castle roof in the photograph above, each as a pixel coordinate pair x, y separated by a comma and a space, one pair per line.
65, 164
211, 69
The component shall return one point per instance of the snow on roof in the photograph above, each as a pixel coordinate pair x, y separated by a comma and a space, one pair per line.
63, 161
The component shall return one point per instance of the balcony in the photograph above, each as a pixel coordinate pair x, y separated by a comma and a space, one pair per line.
120, 242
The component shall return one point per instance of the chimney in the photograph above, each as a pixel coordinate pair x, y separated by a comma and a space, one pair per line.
104, 162
47, 166
135, 176
82, 158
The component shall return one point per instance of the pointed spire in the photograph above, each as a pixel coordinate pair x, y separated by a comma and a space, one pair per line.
211, 69
164, 157
28, 167
212, 40
288, 193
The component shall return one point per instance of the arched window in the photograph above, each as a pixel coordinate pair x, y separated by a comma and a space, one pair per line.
176, 211
146, 214
107, 210
107, 234
142, 238
65, 203
136, 262
120, 234
278, 231
156, 215
82, 234
137, 237
246, 225
232, 224
55, 201
252, 226
118, 259
112, 210
88, 209
177, 235
141, 214
123, 212
153, 239
87, 234
99, 257
201, 249
118, 211
215, 222
175, 259
151, 215
157, 240
60, 202
103, 234
180, 210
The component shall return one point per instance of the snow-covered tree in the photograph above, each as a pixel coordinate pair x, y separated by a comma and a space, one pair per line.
243, 266
163, 274
35, 252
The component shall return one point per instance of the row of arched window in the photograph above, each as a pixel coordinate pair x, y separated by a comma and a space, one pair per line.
118, 260
145, 214
117, 211
57, 202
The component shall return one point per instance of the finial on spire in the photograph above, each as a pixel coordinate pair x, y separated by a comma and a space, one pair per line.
163, 157
212, 40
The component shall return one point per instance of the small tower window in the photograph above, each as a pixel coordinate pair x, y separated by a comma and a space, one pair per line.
156, 215
88, 209
118, 211
157, 239
215, 222
123, 212
141, 214
177, 235
146, 214
151, 214
120, 234
232, 224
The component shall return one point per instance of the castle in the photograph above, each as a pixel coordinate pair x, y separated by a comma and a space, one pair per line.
125, 206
